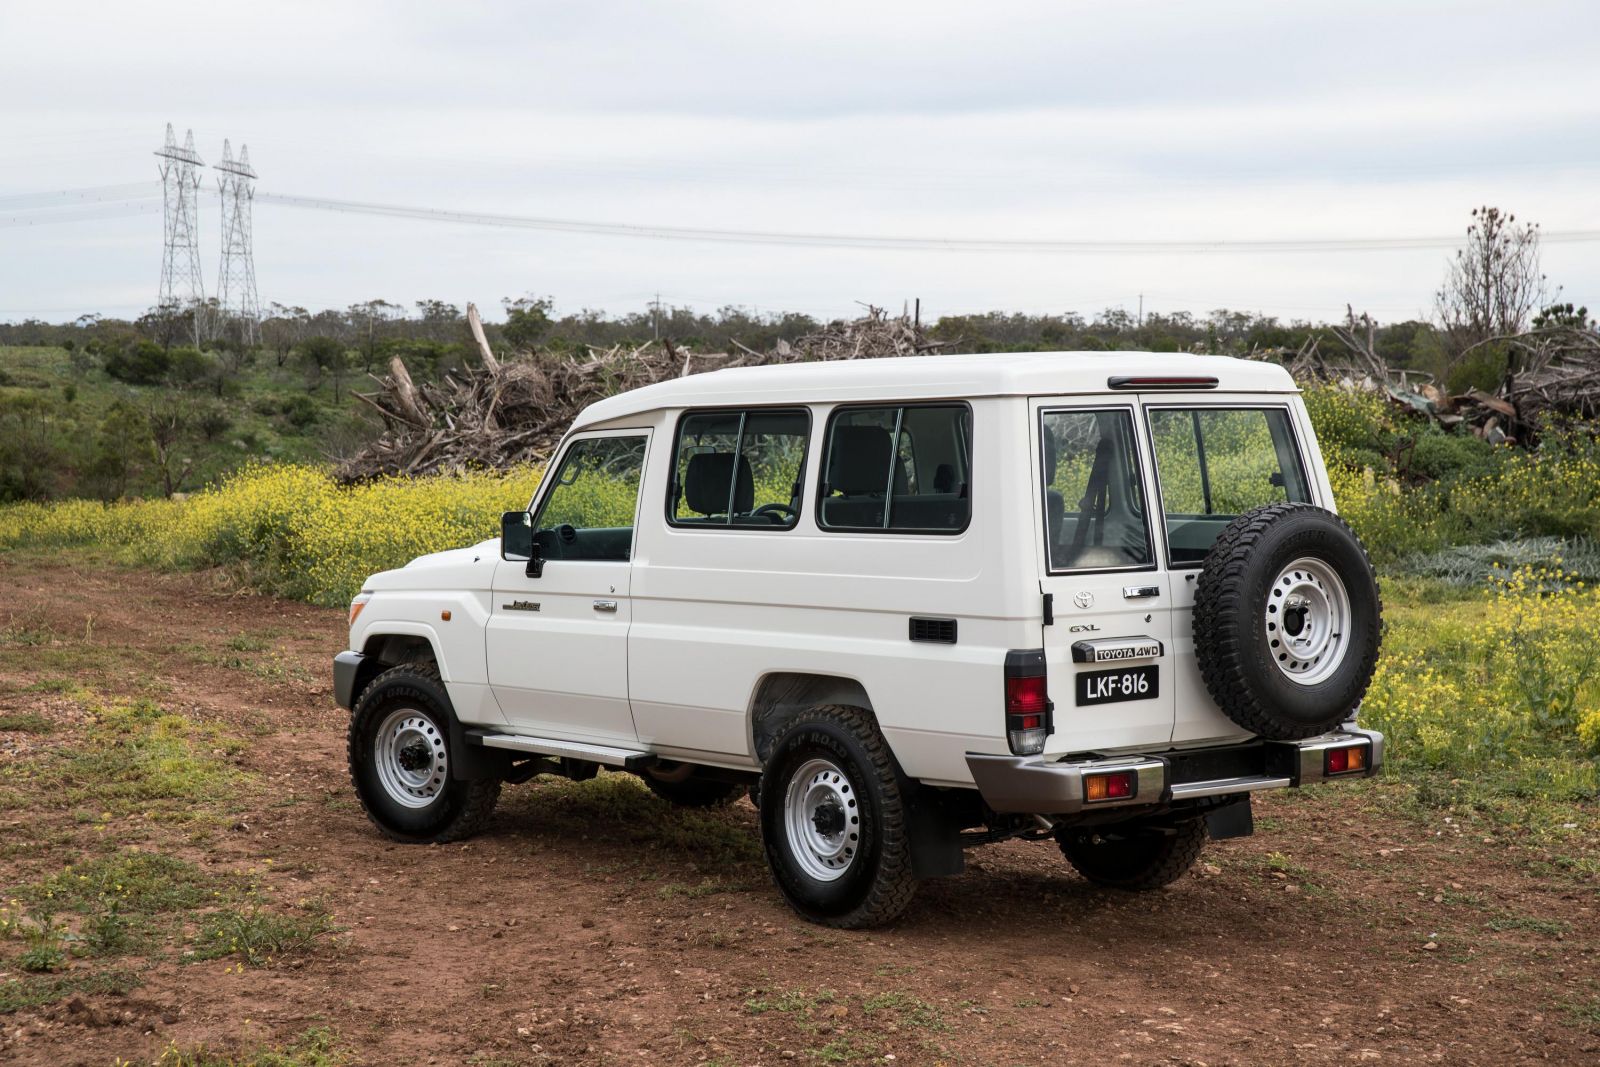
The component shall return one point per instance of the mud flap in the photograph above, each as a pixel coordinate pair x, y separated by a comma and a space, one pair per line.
936, 850
470, 761
1232, 819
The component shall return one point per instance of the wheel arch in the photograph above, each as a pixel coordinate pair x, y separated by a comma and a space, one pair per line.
392, 648
781, 695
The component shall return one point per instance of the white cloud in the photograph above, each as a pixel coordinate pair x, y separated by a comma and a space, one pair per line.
1096, 120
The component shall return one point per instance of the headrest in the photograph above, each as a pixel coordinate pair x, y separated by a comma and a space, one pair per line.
1049, 455
705, 483
859, 459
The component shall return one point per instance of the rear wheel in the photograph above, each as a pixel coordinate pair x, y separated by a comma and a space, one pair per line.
833, 820
1134, 857
399, 753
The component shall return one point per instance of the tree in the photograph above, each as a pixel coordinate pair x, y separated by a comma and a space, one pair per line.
121, 447
527, 320
324, 355
284, 329
139, 363
168, 424
1491, 287
370, 320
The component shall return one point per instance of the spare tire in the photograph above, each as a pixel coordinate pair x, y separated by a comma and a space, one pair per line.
1287, 621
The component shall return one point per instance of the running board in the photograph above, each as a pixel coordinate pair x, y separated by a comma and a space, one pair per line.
605, 755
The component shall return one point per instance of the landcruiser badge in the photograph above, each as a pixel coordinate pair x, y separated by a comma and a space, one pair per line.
1084, 599
521, 605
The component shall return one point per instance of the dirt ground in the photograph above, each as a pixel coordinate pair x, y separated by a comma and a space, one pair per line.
592, 924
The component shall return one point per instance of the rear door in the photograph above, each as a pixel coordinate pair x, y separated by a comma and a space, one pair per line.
1109, 649
1215, 458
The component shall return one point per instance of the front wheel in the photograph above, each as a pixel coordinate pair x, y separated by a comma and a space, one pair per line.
833, 820
1135, 857
399, 753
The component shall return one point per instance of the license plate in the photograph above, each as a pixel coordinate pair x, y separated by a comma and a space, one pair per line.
1109, 687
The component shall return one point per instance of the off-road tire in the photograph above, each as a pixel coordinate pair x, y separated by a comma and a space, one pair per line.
1230, 638
1137, 858
879, 883
694, 791
461, 809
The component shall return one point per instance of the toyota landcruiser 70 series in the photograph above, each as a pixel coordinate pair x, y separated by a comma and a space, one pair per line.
909, 605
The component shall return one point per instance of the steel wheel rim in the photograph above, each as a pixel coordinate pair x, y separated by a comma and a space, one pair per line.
1307, 621
822, 820
409, 753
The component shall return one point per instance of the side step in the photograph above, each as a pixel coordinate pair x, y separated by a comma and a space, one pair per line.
605, 755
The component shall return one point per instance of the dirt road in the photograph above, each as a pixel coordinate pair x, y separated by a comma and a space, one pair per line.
593, 925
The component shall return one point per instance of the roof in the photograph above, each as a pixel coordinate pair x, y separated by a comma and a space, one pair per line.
932, 377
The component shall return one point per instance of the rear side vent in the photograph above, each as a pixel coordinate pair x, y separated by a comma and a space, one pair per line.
941, 630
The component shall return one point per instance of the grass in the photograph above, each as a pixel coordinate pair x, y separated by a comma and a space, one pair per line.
134, 757
257, 937
18, 994
316, 1047
619, 807
25, 722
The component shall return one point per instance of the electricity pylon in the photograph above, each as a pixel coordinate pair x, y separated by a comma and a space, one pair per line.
236, 281
181, 283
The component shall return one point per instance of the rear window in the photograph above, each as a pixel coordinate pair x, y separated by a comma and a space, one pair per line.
899, 469
1094, 513
1214, 464
739, 468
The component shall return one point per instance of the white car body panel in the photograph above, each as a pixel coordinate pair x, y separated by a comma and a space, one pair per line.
705, 614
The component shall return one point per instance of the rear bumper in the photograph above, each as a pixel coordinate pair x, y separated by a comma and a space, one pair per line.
346, 665
1038, 785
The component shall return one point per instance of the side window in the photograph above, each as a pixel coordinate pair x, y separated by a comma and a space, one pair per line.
1214, 464
739, 468
1094, 513
588, 512
898, 468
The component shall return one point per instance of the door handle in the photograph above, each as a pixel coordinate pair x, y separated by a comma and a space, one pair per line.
1139, 592
605, 605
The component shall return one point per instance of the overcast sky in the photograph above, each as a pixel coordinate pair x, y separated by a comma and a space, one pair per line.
1123, 121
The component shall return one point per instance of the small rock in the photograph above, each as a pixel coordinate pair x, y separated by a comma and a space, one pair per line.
1430, 946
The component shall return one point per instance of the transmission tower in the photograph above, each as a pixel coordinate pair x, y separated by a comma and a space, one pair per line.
181, 282
236, 281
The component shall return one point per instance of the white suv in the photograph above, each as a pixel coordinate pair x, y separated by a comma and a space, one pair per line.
913, 605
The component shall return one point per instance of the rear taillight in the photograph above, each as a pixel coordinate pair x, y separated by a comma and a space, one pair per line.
1352, 760
1118, 785
1027, 703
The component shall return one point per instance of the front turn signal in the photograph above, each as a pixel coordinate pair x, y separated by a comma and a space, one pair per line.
357, 604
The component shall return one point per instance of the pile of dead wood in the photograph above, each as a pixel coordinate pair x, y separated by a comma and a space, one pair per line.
505, 412
1553, 372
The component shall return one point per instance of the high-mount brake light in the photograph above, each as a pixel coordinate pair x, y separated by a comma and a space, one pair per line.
1161, 381
1028, 707
1349, 760
1117, 785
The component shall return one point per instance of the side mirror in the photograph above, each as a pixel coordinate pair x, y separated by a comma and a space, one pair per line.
516, 535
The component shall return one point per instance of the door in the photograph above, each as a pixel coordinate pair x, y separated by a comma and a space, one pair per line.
558, 643
1109, 650
1214, 461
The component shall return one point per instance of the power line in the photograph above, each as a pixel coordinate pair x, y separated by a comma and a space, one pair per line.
890, 243
108, 195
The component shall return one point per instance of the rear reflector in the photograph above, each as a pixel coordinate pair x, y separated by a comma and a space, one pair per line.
1118, 785
1345, 760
